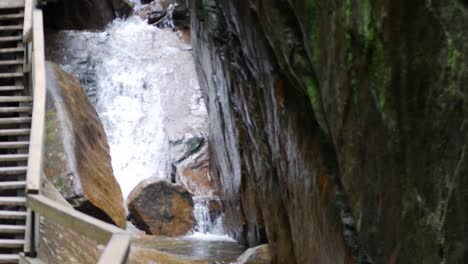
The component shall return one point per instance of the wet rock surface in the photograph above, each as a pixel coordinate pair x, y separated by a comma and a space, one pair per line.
84, 14
339, 126
164, 13
256, 255
161, 208
186, 250
77, 159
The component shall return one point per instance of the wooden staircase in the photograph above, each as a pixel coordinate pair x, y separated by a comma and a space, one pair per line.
15, 125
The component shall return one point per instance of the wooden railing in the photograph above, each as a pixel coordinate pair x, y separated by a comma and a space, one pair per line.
117, 241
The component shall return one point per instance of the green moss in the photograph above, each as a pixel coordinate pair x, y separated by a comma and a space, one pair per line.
454, 60
53, 146
349, 54
366, 22
380, 74
314, 94
313, 33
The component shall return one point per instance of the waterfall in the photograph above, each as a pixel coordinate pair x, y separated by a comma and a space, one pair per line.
207, 221
125, 71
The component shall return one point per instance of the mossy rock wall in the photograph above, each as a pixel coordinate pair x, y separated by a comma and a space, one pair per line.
339, 128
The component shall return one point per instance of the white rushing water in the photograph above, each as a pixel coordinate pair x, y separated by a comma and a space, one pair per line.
131, 67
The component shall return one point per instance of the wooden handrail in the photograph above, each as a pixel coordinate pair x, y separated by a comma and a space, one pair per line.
36, 144
27, 24
72, 219
117, 240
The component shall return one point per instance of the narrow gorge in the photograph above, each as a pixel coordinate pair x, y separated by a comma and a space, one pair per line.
260, 131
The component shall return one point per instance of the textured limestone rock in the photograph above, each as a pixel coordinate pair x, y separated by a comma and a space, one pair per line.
77, 159
341, 125
256, 255
84, 14
161, 208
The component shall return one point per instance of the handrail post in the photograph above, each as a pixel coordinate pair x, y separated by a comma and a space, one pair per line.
117, 249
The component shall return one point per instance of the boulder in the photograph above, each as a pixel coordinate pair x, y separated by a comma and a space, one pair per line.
84, 14
161, 208
256, 255
77, 159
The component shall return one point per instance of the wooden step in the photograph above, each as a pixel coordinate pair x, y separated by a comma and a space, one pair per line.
9, 258
9, 185
15, 99
18, 201
14, 144
11, 243
11, 50
19, 109
12, 170
11, 39
11, 75
11, 88
11, 16
5, 214
15, 132
13, 157
12, 229
9, 4
14, 120
11, 28
11, 62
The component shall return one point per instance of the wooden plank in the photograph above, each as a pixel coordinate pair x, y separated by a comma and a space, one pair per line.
9, 258
5, 4
39, 105
117, 250
70, 218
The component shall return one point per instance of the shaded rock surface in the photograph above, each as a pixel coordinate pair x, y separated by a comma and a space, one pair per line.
77, 159
338, 128
84, 14
256, 255
161, 208
58, 245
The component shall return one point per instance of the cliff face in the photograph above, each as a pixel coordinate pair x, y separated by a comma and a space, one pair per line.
338, 128
84, 14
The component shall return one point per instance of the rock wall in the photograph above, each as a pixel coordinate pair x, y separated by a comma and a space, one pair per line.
77, 159
338, 128
84, 14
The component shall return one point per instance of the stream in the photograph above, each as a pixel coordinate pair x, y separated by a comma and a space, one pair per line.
128, 72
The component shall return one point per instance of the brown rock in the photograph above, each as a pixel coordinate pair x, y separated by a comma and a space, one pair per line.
161, 208
256, 255
193, 172
77, 159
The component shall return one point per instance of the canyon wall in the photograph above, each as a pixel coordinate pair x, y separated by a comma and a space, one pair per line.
338, 128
